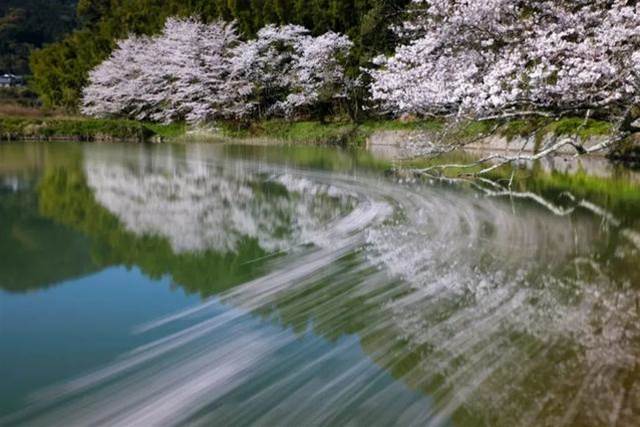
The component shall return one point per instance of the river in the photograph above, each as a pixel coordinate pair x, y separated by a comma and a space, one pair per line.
212, 284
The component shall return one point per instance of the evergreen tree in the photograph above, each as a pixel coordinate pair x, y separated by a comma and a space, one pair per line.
29, 24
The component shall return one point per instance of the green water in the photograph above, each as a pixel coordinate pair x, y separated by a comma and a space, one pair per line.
244, 285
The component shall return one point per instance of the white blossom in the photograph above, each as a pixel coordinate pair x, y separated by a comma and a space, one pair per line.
121, 85
319, 73
200, 72
185, 73
497, 55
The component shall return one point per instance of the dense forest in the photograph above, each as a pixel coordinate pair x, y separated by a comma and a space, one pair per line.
29, 24
60, 70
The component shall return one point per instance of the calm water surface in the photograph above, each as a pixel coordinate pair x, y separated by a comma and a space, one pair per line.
221, 285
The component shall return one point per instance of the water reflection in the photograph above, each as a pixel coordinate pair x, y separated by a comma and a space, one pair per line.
210, 205
341, 296
30, 250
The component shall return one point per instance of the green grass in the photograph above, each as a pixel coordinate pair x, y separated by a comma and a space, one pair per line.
314, 132
82, 129
171, 130
541, 126
302, 132
511, 129
341, 133
578, 126
416, 125
521, 128
473, 129
346, 133
85, 129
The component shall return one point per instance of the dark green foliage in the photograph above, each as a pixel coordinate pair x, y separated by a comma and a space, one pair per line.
28, 24
628, 151
60, 70
21, 96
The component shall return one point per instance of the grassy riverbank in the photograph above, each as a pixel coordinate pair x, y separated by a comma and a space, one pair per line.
58, 128
306, 132
313, 132
336, 132
332, 133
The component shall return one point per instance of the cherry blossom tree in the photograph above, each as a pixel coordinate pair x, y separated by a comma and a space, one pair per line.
185, 73
319, 73
269, 63
200, 72
195, 64
121, 85
176, 66
291, 70
502, 57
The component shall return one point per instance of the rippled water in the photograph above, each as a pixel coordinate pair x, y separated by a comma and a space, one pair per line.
221, 285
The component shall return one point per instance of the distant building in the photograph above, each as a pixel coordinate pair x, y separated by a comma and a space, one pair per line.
9, 80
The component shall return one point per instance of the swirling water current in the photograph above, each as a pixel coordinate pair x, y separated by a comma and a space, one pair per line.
227, 285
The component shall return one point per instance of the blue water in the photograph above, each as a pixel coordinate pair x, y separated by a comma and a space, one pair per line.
67, 330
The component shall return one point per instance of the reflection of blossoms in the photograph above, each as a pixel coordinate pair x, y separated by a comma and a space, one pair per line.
515, 312
198, 206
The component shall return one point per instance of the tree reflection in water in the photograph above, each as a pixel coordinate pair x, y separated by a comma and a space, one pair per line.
493, 313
